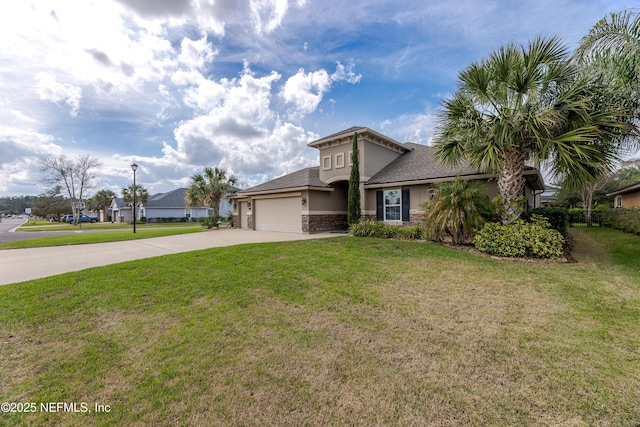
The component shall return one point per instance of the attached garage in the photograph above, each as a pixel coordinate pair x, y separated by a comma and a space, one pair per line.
278, 214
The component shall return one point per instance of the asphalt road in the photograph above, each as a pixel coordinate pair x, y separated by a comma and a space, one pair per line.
7, 236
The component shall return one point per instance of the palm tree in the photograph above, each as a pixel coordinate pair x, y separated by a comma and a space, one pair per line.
208, 188
142, 195
526, 104
611, 53
102, 200
457, 208
614, 43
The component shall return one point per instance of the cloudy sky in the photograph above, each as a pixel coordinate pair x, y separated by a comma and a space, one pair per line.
176, 85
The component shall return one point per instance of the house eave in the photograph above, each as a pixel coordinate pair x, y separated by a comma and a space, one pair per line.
242, 195
539, 184
347, 137
627, 189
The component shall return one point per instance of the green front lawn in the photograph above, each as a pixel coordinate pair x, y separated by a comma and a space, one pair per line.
342, 331
114, 236
87, 226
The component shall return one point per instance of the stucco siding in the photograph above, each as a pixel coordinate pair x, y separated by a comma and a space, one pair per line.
325, 201
631, 199
334, 163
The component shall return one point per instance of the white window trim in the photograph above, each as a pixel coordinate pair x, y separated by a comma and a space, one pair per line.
350, 155
384, 206
326, 163
339, 159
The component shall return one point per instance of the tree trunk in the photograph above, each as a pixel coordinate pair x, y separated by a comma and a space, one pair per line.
511, 184
587, 201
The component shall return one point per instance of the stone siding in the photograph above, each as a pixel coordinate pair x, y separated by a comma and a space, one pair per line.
317, 223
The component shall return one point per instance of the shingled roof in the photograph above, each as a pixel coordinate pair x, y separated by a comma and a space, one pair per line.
305, 178
418, 164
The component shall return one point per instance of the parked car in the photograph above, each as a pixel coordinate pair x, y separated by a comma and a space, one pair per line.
66, 218
82, 218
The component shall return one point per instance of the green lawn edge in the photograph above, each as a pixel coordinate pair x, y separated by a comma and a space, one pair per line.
338, 331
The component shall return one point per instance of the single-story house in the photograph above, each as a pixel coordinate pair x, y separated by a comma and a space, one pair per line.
627, 197
166, 205
395, 179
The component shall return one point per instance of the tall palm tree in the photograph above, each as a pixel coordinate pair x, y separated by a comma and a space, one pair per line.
611, 53
208, 188
614, 42
142, 195
526, 104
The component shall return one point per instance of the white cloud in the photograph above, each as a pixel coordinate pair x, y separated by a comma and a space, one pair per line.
418, 128
305, 91
50, 90
20, 154
346, 74
196, 53
267, 15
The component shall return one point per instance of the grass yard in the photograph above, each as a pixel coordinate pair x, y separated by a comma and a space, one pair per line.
342, 331
113, 236
87, 226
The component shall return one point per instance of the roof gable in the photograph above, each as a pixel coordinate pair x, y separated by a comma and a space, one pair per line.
305, 178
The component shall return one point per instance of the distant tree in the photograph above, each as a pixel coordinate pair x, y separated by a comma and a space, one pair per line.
142, 196
75, 177
16, 204
102, 201
208, 188
456, 209
353, 201
51, 204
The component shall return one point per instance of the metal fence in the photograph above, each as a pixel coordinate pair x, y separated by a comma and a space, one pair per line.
577, 218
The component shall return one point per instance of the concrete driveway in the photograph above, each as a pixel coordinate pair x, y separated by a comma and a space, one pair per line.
20, 265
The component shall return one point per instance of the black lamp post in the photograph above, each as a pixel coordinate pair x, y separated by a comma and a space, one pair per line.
134, 168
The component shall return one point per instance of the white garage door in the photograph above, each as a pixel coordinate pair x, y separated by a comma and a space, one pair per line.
283, 214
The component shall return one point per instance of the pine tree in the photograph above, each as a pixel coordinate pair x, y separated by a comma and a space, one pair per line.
353, 203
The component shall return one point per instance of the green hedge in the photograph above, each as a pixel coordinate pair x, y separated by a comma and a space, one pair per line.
385, 231
520, 239
624, 219
558, 217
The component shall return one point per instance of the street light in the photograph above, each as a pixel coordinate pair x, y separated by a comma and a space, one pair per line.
134, 168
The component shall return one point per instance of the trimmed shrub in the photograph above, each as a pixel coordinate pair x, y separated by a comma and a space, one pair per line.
208, 222
520, 239
382, 230
624, 219
558, 217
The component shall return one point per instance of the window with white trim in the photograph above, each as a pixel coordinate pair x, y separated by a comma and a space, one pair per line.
339, 160
618, 201
392, 205
326, 163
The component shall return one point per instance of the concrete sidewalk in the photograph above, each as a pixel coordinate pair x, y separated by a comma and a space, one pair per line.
19, 265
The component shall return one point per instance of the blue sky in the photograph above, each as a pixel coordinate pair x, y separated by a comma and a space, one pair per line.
239, 84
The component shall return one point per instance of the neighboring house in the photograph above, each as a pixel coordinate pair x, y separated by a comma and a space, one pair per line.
120, 211
627, 197
549, 196
395, 179
165, 205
